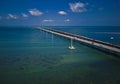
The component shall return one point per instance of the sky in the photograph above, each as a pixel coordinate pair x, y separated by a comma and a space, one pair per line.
60, 12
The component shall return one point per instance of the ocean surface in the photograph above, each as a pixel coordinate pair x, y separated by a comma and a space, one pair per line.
31, 56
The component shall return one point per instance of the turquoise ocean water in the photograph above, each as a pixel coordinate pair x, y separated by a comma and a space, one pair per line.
31, 56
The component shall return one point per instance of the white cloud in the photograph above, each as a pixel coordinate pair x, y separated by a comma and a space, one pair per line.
48, 20
11, 16
62, 13
78, 7
67, 20
35, 12
24, 15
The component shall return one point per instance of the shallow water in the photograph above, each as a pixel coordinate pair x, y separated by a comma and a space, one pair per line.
31, 56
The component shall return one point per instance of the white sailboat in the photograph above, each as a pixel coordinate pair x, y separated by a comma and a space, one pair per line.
71, 46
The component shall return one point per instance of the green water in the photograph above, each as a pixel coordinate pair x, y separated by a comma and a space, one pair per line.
30, 56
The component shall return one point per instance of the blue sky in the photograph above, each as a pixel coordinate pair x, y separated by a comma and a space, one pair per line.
60, 12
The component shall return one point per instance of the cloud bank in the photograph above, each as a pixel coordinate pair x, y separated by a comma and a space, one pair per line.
67, 20
24, 15
78, 7
35, 12
48, 20
62, 13
11, 16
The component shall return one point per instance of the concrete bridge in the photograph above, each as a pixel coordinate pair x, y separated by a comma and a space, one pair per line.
99, 45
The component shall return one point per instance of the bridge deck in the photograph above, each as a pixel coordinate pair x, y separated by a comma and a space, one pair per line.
104, 46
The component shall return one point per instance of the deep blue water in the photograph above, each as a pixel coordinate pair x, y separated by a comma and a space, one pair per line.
31, 56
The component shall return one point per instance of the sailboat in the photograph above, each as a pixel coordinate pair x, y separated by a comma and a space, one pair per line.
71, 46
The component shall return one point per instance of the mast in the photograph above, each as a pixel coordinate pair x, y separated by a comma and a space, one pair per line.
71, 42
71, 45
